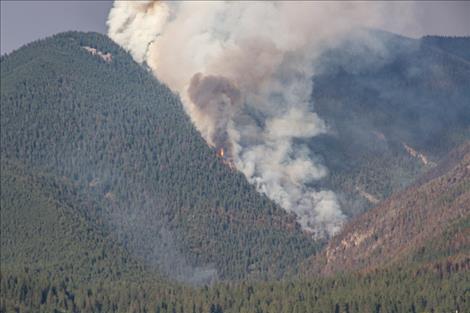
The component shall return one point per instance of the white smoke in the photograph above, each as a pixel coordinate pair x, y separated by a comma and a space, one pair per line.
244, 73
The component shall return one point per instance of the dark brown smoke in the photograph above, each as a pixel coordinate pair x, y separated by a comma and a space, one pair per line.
219, 98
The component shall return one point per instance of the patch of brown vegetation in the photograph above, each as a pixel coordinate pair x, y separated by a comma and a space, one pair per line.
393, 231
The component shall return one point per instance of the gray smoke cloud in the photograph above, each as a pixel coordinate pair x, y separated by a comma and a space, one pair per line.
244, 73
217, 98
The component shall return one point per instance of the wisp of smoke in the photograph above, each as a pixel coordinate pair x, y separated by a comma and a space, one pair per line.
244, 73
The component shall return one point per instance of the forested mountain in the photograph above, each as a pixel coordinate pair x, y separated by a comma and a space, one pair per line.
112, 202
47, 226
428, 221
121, 139
395, 107
96, 275
457, 46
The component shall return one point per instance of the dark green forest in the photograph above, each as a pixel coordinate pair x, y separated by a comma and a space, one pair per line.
392, 291
127, 146
112, 202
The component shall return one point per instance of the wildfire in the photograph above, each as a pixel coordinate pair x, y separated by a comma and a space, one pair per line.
226, 159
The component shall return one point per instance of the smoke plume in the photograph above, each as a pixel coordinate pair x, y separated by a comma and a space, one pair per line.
244, 73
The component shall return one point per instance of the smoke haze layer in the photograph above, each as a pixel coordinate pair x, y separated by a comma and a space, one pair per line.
244, 73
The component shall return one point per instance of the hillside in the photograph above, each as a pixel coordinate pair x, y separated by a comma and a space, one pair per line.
395, 108
458, 46
77, 107
97, 275
123, 140
46, 226
108, 193
427, 222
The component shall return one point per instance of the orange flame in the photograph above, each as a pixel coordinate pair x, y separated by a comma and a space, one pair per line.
221, 152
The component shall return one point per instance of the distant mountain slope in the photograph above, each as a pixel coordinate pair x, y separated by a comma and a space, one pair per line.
76, 106
458, 46
395, 107
426, 222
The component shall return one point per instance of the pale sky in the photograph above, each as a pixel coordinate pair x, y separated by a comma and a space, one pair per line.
24, 21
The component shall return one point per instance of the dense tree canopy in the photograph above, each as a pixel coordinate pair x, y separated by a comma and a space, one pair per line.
123, 140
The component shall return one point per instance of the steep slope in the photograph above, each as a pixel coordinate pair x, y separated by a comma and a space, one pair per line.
76, 106
395, 107
46, 227
426, 222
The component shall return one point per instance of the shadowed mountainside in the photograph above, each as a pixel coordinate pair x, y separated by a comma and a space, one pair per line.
395, 106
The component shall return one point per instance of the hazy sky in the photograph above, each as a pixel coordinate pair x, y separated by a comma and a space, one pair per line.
24, 21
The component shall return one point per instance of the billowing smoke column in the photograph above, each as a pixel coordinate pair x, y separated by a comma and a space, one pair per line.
216, 98
244, 73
